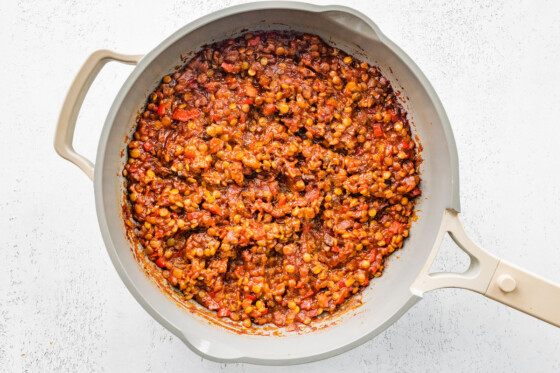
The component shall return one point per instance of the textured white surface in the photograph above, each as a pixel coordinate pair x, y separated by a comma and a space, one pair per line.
62, 305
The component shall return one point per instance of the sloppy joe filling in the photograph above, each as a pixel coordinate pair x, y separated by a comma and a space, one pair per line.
271, 176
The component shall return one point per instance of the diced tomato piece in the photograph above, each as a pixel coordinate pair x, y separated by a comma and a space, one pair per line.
189, 152
312, 313
343, 294
331, 101
394, 117
223, 312
212, 304
308, 294
292, 327
148, 146
312, 195
228, 67
377, 131
254, 41
415, 192
395, 227
250, 90
251, 297
161, 109
269, 109
194, 215
404, 144
211, 87
185, 115
305, 304
161, 262
212, 208
247, 101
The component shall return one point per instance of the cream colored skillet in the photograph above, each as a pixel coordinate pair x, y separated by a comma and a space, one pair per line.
406, 279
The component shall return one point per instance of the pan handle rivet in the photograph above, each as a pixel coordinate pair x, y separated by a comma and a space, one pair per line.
506, 283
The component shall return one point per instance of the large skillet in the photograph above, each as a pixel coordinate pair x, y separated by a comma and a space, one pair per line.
406, 279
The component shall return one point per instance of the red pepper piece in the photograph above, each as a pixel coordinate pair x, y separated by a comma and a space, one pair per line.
185, 115
212, 208
377, 131
148, 146
161, 262
308, 294
161, 109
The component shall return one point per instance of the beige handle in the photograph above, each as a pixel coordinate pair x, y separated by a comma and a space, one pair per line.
491, 276
64, 135
525, 292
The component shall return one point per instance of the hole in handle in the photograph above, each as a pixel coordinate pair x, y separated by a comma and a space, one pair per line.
450, 258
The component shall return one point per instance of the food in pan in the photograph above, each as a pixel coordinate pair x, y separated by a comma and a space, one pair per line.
271, 176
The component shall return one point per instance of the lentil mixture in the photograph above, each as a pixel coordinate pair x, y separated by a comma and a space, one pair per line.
271, 176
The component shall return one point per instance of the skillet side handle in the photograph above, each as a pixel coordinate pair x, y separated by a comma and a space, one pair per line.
526, 292
490, 276
64, 134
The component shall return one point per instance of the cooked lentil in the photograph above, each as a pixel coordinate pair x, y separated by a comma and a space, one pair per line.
271, 176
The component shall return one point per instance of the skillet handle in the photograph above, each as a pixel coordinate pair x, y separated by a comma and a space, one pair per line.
491, 276
64, 134
526, 292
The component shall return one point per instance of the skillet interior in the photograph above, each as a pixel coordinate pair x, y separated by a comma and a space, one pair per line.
388, 297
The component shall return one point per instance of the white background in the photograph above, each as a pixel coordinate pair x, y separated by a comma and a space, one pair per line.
495, 65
